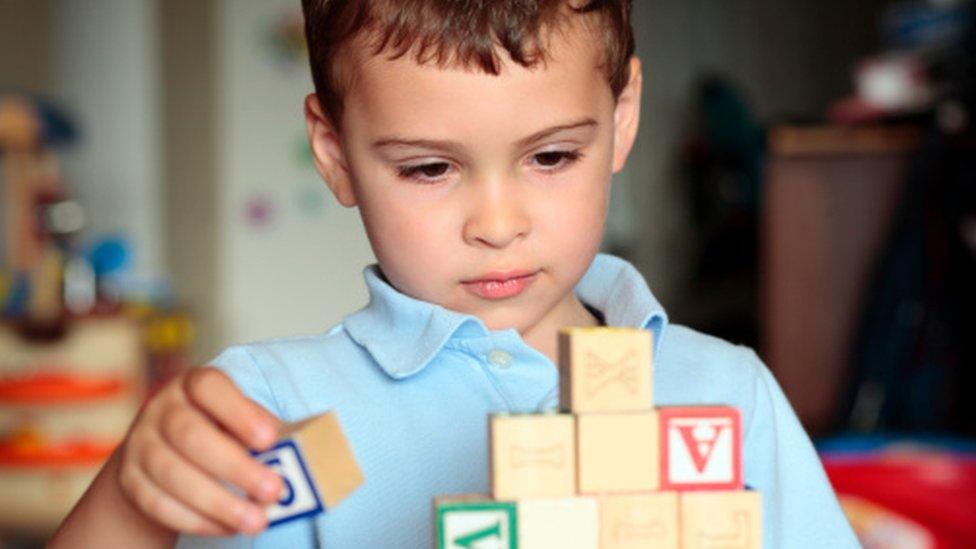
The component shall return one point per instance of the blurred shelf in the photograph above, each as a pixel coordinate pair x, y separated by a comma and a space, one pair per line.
843, 140
99, 345
65, 403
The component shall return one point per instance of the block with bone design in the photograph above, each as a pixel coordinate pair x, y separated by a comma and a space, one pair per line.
532, 456
638, 521
721, 520
605, 370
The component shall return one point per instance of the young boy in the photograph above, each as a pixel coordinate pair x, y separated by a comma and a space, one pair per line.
478, 140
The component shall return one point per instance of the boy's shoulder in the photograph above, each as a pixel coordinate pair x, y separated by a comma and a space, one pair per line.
278, 372
335, 339
695, 350
692, 368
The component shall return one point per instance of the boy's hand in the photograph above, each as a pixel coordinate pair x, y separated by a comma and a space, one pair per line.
188, 438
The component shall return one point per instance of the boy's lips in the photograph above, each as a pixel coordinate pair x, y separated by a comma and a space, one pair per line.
500, 285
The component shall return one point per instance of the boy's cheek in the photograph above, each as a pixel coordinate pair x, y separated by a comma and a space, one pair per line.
414, 238
583, 208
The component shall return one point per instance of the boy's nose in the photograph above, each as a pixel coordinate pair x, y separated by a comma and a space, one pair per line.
497, 216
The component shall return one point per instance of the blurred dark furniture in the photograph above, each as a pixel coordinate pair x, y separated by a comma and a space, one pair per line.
830, 198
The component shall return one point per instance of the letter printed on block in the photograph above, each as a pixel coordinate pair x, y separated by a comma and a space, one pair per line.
475, 522
300, 498
701, 448
317, 465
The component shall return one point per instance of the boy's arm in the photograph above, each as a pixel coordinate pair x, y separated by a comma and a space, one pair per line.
800, 508
105, 518
169, 475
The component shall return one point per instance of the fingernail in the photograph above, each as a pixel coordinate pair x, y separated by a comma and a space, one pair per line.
270, 489
251, 519
264, 434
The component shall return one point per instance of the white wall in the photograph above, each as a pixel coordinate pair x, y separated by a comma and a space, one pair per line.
105, 60
302, 273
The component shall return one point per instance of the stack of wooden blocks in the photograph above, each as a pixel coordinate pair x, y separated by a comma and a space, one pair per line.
611, 470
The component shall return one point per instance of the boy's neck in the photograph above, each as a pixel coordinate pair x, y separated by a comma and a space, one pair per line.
544, 337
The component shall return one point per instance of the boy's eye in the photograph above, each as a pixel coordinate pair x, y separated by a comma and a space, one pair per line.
434, 172
424, 172
555, 159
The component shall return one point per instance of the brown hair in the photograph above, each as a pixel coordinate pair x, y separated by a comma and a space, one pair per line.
455, 32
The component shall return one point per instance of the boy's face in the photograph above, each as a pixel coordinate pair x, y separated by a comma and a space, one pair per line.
484, 194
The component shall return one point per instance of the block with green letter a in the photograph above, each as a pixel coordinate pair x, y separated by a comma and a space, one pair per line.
475, 522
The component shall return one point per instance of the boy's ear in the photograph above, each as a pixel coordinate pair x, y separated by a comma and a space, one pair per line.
626, 116
327, 153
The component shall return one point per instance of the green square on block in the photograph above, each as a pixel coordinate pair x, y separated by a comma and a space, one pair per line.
476, 524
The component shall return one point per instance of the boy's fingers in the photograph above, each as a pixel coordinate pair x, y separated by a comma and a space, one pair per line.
216, 394
201, 494
217, 454
166, 510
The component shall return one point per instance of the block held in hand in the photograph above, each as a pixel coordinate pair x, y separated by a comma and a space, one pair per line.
317, 467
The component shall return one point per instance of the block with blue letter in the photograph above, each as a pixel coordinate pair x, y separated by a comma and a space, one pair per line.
317, 465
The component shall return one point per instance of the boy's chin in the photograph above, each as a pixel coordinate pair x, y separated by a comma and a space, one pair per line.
519, 318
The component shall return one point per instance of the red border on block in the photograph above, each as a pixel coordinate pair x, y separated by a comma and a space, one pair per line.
666, 413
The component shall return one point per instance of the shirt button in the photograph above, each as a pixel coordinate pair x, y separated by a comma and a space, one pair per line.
499, 358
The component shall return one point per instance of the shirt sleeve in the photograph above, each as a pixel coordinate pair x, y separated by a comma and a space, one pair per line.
799, 505
242, 367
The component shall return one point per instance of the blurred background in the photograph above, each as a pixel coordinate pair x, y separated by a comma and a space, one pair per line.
804, 182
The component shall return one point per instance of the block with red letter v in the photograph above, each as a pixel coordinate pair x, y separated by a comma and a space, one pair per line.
701, 448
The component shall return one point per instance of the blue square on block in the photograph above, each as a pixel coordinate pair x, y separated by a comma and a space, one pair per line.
301, 499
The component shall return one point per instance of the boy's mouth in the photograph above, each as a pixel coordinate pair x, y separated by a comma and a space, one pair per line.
500, 285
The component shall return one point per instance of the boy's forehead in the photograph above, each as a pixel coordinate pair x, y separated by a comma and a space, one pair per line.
569, 81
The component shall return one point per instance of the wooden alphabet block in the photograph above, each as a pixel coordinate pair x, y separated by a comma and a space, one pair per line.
569, 523
605, 370
532, 456
618, 452
467, 522
701, 448
639, 521
721, 520
317, 466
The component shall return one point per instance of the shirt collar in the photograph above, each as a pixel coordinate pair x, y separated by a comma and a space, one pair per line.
404, 334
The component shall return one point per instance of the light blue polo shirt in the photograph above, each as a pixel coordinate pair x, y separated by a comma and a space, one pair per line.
413, 384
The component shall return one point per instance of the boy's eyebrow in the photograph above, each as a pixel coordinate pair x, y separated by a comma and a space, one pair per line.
455, 146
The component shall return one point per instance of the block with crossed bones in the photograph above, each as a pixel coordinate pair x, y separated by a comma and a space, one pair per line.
605, 370
601, 372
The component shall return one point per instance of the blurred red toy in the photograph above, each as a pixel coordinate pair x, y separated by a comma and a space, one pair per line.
907, 495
